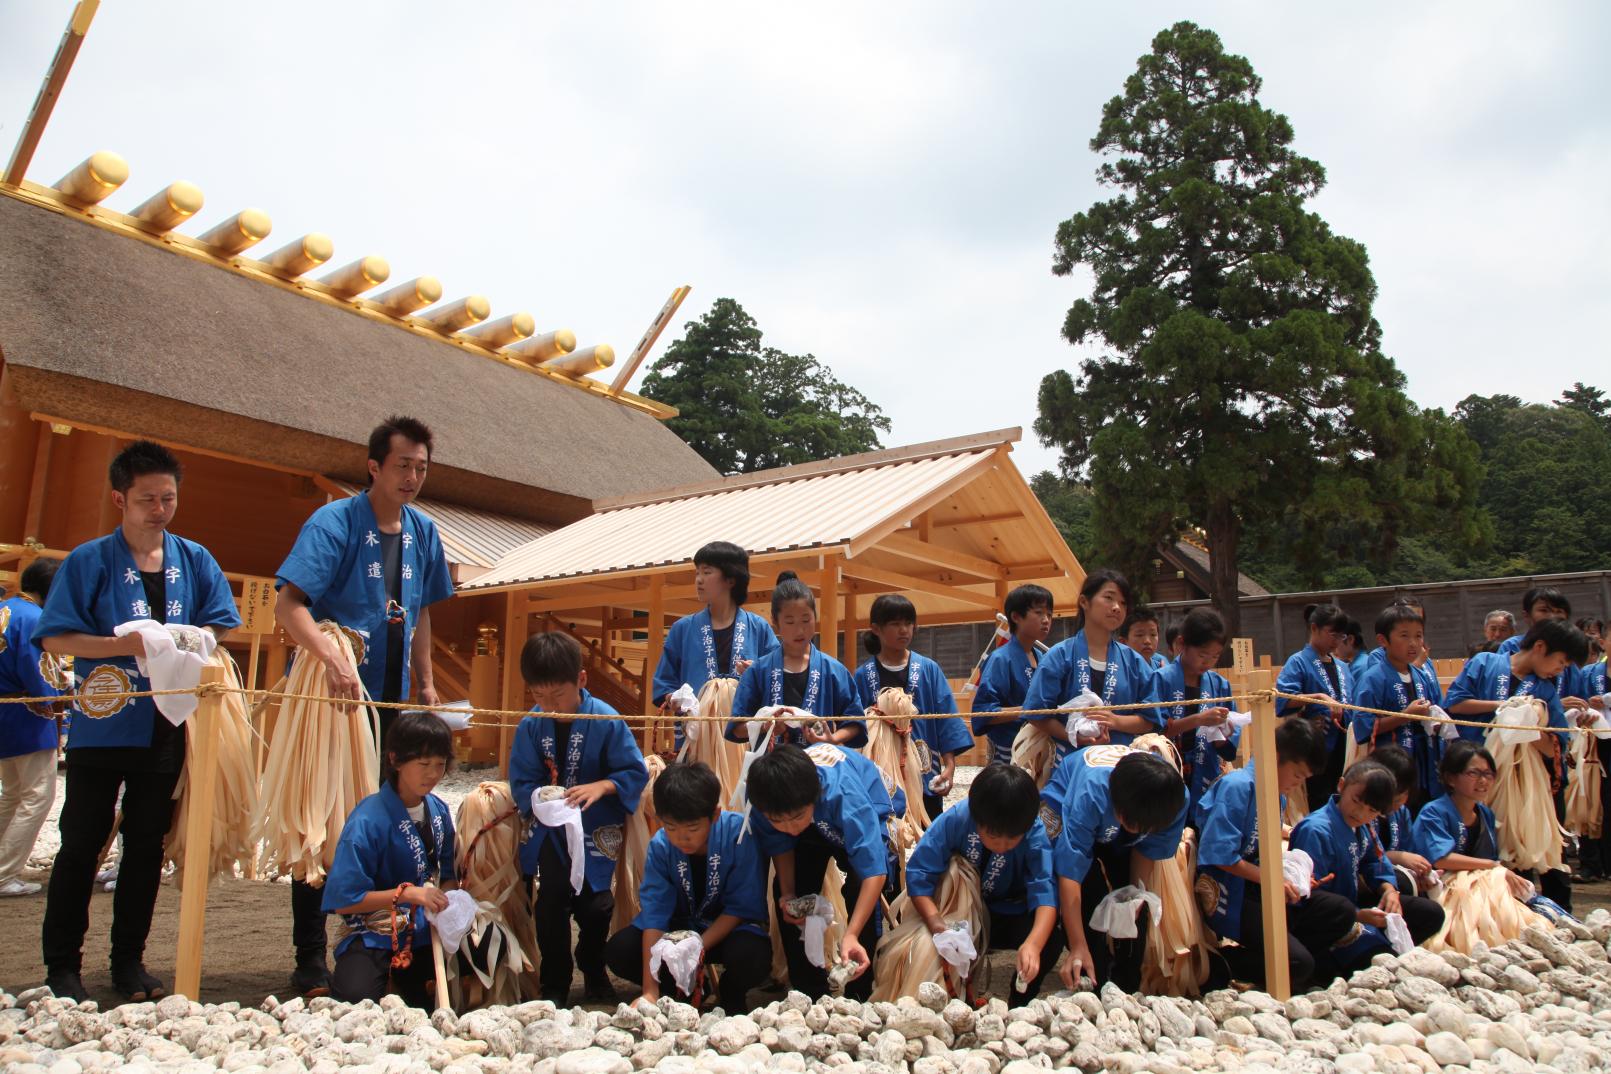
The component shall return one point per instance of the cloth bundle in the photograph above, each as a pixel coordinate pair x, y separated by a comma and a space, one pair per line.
1236, 721
1035, 752
1116, 915
704, 741
1298, 869
1522, 801
1477, 905
682, 953
173, 659
502, 943
549, 808
893, 748
453, 924
322, 761
640, 828
1583, 812
234, 841
1083, 726
908, 954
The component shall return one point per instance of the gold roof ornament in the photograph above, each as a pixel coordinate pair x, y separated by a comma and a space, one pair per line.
95, 177
355, 278
580, 363
405, 298
537, 349
170, 206
240, 232
303, 255
503, 331
471, 309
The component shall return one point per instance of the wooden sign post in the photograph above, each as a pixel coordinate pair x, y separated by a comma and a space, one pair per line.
1267, 801
201, 769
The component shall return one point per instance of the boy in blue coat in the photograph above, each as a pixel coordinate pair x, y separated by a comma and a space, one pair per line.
28, 737
1393, 828
1177, 688
1539, 603
1394, 681
1228, 860
1004, 681
700, 874
1326, 685
1340, 837
394, 861
1121, 809
810, 805
893, 664
999, 832
1140, 632
599, 765
139, 571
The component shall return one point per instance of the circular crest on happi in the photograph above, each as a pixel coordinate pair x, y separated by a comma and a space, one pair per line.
101, 695
356, 640
5, 623
57, 670
1207, 891
824, 754
608, 840
1052, 820
925, 758
1106, 755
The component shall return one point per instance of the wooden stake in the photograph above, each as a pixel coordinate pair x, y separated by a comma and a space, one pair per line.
514, 687
442, 998
51, 89
1267, 796
202, 771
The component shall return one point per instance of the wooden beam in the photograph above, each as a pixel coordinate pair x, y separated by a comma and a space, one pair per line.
514, 687
936, 555
188, 449
202, 772
657, 326
828, 608
978, 520
853, 569
36, 488
849, 626
50, 90
657, 639
967, 475
1035, 515
1267, 804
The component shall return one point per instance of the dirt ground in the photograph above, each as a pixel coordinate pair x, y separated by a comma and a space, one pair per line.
247, 955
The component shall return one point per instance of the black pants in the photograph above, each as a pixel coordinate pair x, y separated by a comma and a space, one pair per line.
88, 812
1118, 961
1595, 854
366, 973
307, 924
1008, 933
811, 856
1556, 885
556, 905
1312, 927
745, 959
934, 805
1323, 784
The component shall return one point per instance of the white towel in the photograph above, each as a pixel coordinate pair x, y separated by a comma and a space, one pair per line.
682, 956
682, 701
169, 665
1298, 869
454, 923
557, 813
456, 714
1222, 732
1518, 710
1398, 934
1082, 726
815, 930
956, 947
1445, 730
1115, 916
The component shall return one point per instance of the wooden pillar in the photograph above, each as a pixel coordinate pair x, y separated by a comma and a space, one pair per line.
657, 638
36, 489
514, 688
202, 768
849, 626
485, 692
19, 439
109, 517
828, 608
1267, 801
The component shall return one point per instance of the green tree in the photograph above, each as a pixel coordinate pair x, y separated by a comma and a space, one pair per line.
1069, 505
1591, 401
1243, 382
746, 407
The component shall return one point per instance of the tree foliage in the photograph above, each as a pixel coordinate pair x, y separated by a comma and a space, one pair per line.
1242, 383
745, 406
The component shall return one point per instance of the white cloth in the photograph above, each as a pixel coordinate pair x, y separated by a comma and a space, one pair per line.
456, 714
1398, 934
815, 930
1085, 699
557, 813
956, 947
1222, 732
1445, 730
681, 956
1601, 726
1518, 710
682, 701
170, 665
1081, 726
1298, 869
453, 924
1115, 916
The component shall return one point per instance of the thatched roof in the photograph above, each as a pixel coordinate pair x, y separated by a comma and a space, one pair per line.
107, 330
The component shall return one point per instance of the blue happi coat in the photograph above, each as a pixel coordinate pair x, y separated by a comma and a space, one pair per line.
592, 750
1228, 832
735, 883
689, 655
96, 589
1352, 857
852, 812
336, 561
23, 673
1393, 829
829, 694
380, 848
1078, 793
930, 692
1439, 832
1017, 882
1593, 680
1305, 673
1003, 684
1486, 677
1570, 682
1200, 756
1065, 670
1383, 688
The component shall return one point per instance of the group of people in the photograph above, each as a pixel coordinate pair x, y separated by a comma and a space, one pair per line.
1140, 752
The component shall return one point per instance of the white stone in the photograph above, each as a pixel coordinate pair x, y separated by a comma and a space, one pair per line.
592, 1061
1448, 1049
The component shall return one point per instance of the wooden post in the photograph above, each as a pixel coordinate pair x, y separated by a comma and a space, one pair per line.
201, 767
1267, 799
651, 658
847, 625
828, 606
514, 688
50, 90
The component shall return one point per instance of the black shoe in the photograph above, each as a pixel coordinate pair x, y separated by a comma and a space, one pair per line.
310, 980
134, 984
67, 984
598, 989
561, 1000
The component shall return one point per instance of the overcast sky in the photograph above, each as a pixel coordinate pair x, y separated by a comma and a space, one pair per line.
877, 184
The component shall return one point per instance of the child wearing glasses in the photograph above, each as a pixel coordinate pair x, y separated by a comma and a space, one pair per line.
1456, 831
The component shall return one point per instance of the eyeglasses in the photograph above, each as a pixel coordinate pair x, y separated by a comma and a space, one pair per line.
1479, 773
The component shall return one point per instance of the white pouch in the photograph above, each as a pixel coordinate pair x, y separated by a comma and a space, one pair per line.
557, 813
1116, 915
174, 657
956, 947
456, 714
1443, 728
1298, 869
682, 700
1222, 732
681, 953
1398, 934
1518, 710
817, 920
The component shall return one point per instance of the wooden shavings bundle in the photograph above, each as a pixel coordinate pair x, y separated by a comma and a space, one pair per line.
490, 830
1583, 813
235, 800
906, 953
321, 763
1523, 805
1176, 960
1035, 752
1477, 905
640, 828
704, 741
893, 748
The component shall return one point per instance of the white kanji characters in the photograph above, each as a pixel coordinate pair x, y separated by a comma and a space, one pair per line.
172, 574
373, 570
142, 610
176, 610
370, 539
130, 575
408, 540
408, 570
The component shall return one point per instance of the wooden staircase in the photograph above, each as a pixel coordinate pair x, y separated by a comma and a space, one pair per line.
607, 678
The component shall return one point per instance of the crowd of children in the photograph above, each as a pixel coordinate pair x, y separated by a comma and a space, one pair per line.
1065, 874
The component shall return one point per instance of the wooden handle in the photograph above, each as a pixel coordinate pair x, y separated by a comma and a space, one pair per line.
441, 972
